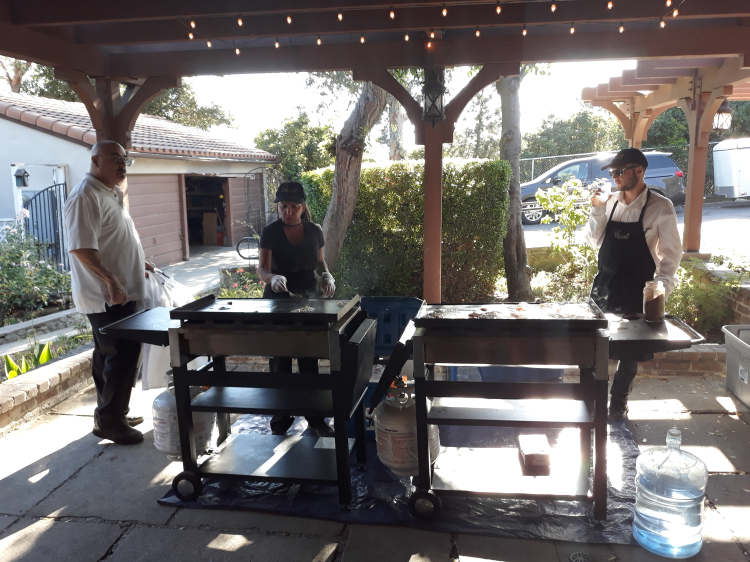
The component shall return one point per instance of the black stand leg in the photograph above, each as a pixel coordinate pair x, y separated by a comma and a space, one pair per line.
359, 431
342, 460
423, 445
587, 382
185, 421
222, 421
600, 451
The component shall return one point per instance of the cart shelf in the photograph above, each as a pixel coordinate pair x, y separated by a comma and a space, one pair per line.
268, 401
276, 458
510, 413
498, 471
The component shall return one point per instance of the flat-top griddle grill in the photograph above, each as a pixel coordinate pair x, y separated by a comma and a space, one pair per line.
210, 310
338, 330
575, 316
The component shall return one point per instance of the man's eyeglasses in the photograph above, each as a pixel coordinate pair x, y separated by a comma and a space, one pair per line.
620, 171
118, 159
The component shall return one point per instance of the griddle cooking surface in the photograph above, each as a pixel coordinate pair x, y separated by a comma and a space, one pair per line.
304, 310
512, 316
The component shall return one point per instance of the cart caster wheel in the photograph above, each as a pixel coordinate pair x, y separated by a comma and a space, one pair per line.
187, 486
425, 505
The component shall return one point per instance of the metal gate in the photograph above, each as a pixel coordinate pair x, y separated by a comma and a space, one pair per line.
45, 223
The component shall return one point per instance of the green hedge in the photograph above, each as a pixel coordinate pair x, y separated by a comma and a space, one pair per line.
382, 252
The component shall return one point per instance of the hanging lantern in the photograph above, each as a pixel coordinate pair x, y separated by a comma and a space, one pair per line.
434, 101
723, 117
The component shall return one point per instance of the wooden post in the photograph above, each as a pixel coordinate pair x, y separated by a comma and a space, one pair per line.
699, 111
433, 211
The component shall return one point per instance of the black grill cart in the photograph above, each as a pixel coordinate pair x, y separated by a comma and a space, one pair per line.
337, 330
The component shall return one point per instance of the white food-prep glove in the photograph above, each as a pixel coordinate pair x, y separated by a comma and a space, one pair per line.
328, 286
278, 284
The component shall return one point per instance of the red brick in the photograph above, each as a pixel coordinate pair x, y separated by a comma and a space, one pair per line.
6, 403
673, 365
648, 364
18, 396
691, 354
31, 390
679, 373
710, 366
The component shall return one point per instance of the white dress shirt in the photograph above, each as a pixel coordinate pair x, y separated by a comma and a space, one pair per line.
96, 218
659, 226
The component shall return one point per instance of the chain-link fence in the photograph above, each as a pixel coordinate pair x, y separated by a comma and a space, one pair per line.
534, 167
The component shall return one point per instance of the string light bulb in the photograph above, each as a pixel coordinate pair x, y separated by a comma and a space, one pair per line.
429, 44
362, 39
622, 28
523, 31
192, 24
499, 8
236, 51
675, 13
319, 41
239, 22
477, 32
276, 44
445, 11
662, 23
406, 37
209, 44
341, 16
572, 29
289, 19
432, 34
191, 35
610, 5
553, 7
669, 3
392, 14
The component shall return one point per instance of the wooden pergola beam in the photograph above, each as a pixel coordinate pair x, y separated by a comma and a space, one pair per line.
30, 45
628, 78
467, 51
55, 13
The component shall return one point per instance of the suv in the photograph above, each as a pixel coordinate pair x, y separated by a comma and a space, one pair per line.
663, 176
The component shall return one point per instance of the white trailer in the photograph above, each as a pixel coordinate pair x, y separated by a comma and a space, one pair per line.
732, 168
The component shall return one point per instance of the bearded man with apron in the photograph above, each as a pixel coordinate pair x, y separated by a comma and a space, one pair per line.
636, 232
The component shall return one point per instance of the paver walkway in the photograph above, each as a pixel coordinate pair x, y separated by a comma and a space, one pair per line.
67, 495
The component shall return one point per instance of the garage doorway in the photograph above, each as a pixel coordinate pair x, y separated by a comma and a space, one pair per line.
205, 207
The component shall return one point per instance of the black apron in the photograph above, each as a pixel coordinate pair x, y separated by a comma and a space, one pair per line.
625, 264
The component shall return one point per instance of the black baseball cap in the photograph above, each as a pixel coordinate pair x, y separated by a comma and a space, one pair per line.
627, 156
290, 191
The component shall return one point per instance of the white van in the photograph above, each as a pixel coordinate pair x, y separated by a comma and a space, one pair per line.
732, 168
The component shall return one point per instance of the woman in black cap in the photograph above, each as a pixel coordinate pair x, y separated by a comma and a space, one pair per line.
291, 253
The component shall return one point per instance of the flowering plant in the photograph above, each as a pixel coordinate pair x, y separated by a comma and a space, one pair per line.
240, 284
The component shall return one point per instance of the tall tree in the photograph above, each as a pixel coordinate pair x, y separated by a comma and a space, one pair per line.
517, 271
350, 146
299, 146
392, 133
14, 71
583, 132
482, 139
177, 104
669, 129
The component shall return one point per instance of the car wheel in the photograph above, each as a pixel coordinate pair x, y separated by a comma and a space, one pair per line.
531, 212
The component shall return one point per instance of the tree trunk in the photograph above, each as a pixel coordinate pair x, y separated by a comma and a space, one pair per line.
396, 119
517, 271
350, 145
14, 72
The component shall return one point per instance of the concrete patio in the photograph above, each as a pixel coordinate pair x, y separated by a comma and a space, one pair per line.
67, 495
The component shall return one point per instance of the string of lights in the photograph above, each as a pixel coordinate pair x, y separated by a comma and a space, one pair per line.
673, 5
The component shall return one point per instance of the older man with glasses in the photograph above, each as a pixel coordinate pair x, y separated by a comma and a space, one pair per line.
108, 268
636, 233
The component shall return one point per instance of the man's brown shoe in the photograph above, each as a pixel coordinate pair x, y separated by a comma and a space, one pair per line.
122, 436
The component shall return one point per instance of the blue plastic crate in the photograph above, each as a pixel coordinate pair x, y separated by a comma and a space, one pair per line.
393, 314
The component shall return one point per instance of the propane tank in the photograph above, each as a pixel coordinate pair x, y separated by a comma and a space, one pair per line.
396, 431
166, 429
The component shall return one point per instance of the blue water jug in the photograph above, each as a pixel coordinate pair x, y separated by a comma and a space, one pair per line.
670, 486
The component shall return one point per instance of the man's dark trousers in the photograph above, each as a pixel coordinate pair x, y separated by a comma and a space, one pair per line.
114, 368
622, 384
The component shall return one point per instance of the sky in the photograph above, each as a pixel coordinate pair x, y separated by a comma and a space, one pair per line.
263, 101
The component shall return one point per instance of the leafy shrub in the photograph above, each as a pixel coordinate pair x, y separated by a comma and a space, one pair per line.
27, 278
383, 248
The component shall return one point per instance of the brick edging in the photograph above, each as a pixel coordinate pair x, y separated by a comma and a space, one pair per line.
28, 395
703, 359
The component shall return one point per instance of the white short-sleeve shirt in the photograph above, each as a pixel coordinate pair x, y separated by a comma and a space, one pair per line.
96, 218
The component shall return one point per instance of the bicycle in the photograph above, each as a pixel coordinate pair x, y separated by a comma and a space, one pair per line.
247, 248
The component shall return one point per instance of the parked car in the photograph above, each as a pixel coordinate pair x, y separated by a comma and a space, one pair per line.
663, 176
